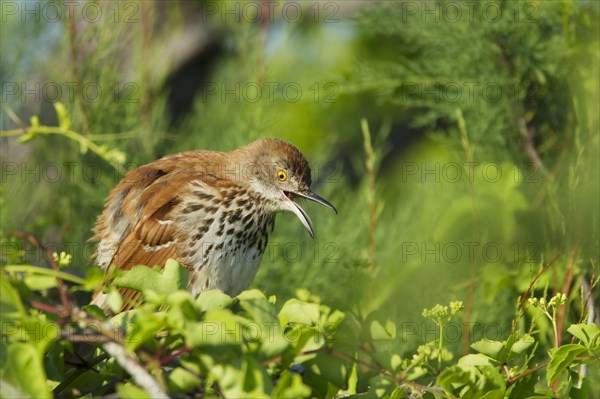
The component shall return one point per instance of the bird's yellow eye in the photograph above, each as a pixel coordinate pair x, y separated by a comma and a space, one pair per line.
281, 175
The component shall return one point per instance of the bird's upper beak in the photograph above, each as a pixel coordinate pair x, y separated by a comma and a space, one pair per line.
298, 211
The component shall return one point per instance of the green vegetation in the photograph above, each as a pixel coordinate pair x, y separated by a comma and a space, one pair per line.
461, 151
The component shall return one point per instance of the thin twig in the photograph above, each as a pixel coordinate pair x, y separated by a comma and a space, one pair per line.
85, 338
40, 270
525, 373
139, 374
85, 143
588, 302
174, 355
62, 289
399, 380
15, 118
527, 136
44, 307
73, 375
537, 277
566, 289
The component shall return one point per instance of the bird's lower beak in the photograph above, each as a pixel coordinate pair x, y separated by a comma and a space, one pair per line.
302, 215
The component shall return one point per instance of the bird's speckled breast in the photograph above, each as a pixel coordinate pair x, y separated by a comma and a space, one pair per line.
224, 236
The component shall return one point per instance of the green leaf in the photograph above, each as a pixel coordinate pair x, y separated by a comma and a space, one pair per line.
561, 359
266, 327
382, 331
290, 385
380, 387
588, 334
23, 369
39, 282
491, 383
581, 393
333, 368
229, 378
176, 274
114, 300
213, 299
388, 360
259, 309
295, 311
453, 378
94, 311
399, 393
142, 278
219, 327
183, 381
242, 378
181, 310
477, 360
54, 362
255, 378
493, 349
303, 339
94, 278
523, 388
130, 391
142, 327
346, 336
416, 373
183, 300
251, 294
352, 380
521, 346
379, 330
11, 307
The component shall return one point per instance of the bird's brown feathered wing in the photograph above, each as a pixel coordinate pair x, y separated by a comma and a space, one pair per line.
152, 196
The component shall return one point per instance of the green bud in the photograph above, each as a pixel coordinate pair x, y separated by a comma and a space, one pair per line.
456, 306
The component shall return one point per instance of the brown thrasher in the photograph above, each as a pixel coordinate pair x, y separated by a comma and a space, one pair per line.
210, 211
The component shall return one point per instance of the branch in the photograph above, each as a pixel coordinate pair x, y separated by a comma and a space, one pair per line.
540, 366
62, 289
398, 380
537, 277
525, 373
139, 374
73, 374
562, 312
527, 135
84, 142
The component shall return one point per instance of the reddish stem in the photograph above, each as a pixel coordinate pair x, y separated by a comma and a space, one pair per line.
537, 277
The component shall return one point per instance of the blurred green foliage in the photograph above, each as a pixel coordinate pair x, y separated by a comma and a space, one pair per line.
484, 126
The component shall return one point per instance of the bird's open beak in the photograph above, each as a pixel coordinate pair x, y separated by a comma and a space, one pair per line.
298, 211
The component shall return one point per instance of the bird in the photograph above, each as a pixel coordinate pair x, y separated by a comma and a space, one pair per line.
210, 211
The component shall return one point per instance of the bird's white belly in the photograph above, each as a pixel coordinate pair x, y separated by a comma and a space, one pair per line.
228, 262
230, 272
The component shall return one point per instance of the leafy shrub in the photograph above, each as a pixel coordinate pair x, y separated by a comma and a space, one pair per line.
253, 346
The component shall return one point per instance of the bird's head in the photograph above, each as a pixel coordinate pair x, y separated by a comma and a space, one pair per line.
280, 174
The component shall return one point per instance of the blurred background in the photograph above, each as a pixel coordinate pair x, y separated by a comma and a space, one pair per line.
458, 140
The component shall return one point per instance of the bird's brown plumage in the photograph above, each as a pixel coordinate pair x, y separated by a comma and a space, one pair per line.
224, 201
